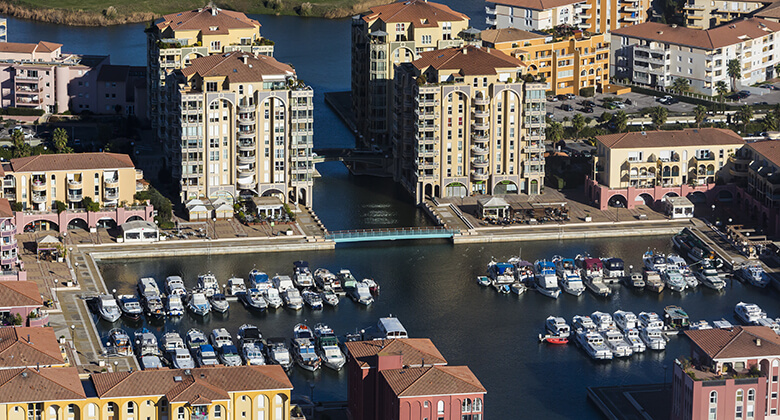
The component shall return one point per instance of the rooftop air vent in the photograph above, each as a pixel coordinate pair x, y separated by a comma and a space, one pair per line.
177, 379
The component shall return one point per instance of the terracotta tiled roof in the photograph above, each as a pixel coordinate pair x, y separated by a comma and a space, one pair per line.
432, 380
412, 350
209, 382
535, 4
769, 149
28, 346
470, 60
232, 66
19, 293
420, 13
5, 206
770, 11
46, 384
203, 20
44, 46
737, 342
656, 138
728, 34
495, 36
17, 47
72, 161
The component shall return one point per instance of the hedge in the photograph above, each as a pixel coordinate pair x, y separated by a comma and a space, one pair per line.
21, 111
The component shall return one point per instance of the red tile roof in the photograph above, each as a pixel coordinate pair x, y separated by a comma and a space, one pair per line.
659, 138
46, 384
29, 346
19, 293
420, 13
71, 161
414, 351
433, 380
231, 65
496, 36
29, 48
5, 206
535, 4
470, 60
737, 342
203, 20
727, 34
769, 149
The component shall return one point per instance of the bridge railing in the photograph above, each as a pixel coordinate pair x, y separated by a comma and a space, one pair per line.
394, 232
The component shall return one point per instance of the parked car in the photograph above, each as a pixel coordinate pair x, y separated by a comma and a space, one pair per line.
587, 110
743, 94
552, 99
561, 97
567, 107
610, 105
663, 99
550, 115
672, 101
570, 96
588, 104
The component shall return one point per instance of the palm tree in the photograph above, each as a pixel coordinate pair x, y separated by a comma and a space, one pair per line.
770, 122
621, 121
578, 123
700, 113
658, 114
721, 88
21, 149
60, 140
744, 115
554, 131
681, 85
734, 70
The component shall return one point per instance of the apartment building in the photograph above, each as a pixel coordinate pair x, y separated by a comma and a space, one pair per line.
755, 170
655, 54
466, 123
121, 90
30, 347
241, 124
179, 38
644, 167
227, 393
9, 257
731, 374
409, 379
595, 16
568, 65
381, 40
701, 14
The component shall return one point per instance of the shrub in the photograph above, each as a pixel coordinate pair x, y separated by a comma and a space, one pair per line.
60, 206
16, 206
588, 92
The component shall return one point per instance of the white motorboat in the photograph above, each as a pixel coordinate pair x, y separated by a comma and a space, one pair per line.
653, 338
119, 342
219, 303
248, 334
175, 306
259, 280
361, 294
130, 307
196, 338
650, 320
324, 279
602, 320
148, 286
625, 320
228, 355
722, 324
302, 276
312, 299
614, 269
501, 272
108, 308
748, 313
172, 341
205, 355
583, 322
283, 283
568, 276
303, 348
518, 288
677, 262
632, 339
593, 344
700, 325
151, 362
754, 274
330, 297
545, 279
292, 298
327, 346
596, 285
674, 279
235, 285
390, 327
181, 359
276, 352
153, 305
174, 285
557, 327
252, 353
208, 284
708, 276
220, 337
253, 299
199, 304
614, 340
769, 322
272, 298
654, 261
146, 343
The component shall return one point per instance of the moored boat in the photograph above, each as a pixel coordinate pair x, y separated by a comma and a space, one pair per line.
196, 338
692, 247
568, 276
130, 307
708, 276
252, 353
602, 320
330, 297
614, 269
235, 285
253, 300
199, 304
248, 333
583, 322
676, 318
208, 284
327, 346
593, 344
146, 343
174, 306
172, 341
748, 313
361, 294
108, 309
272, 298
220, 337
292, 298
302, 276
153, 305
616, 342
596, 285
650, 320
205, 355
148, 285
545, 279
174, 285
674, 279
557, 327
653, 281
653, 338
323, 278
754, 274
259, 280
219, 303
312, 299
278, 353
654, 261
625, 320
632, 339
228, 355
304, 352
120, 342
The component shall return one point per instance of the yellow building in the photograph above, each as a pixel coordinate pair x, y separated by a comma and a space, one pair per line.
218, 393
181, 37
36, 182
385, 37
568, 65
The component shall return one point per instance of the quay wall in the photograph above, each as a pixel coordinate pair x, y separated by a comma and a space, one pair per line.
520, 235
214, 248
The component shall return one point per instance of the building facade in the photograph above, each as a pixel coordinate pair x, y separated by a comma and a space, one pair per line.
732, 374
181, 37
241, 124
384, 38
121, 90
644, 167
655, 54
568, 65
9, 249
700, 14
594, 16
468, 124
755, 170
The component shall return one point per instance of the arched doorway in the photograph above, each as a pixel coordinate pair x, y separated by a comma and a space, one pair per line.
505, 187
645, 199
134, 218
39, 225
78, 223
725, 196
534, 187
428, 190
106, 223
697, 197
618, 201
455, 189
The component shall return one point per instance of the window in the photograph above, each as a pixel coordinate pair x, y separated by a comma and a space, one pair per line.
34, 411
218, 411
216, 46
751, 394
466, 406
180, 414
714, 397
738, 409
426, 39
440, 407
478, 404
130, 408
211, 86
426, 404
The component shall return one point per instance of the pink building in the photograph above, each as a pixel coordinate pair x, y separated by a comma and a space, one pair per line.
732, 374
405, 379
24, 299
121, 90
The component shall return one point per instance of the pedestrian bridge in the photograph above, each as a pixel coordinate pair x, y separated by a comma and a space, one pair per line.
366, 235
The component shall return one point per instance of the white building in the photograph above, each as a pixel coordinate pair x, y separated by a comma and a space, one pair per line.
535, 15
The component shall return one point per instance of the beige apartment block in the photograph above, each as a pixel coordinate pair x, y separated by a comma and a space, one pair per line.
242, 125
466, 124
36, 182
384, 38
706, 14
179, 38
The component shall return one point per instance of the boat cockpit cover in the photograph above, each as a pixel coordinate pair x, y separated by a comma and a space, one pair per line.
591, 263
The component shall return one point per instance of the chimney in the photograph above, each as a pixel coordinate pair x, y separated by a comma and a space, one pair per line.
758, 342
674, 25
214, 10
465, 50
28, 338
243, 58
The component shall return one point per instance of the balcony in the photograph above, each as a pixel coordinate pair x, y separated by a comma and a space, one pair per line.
631, 9
9, 183
479, 151
246, 118
28, 89
111, 183
34, 101
480, 138
489, 11
584, 25
246, 180
246, 135
585, 6
632, 18
480, 125
246, 146
139, 174
28, 78
38, 186
479, 176
111, 194
481, 114
479, 163
10, 196
490, 21
38, 198
481, 102
75, 197
246, 159
247, 109
74, 184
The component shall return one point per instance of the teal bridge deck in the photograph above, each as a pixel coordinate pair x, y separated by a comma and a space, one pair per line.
366, 235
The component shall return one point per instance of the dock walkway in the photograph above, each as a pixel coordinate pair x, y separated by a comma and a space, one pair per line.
633, 402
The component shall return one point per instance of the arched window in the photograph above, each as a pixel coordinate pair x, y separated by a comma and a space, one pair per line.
751, 395
466, 406
130, 408
440, 407
738, 407
262, 407
675, 171
714, 397
478, 404
180, 413
279, 406
218, 411
713, 412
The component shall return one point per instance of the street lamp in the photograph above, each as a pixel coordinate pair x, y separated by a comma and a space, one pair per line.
713, 213
73, 334
116, 368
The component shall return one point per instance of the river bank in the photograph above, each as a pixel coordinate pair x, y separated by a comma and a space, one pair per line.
104, 13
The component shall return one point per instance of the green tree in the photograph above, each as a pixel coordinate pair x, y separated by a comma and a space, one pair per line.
21, 149
734, 69
658, 115
721, 88
554, 131
90, 205
60, 206
577, 123
621, 121
776, 111
700, 114
681, 85
744, 115
605, 117
60, 141
770, 122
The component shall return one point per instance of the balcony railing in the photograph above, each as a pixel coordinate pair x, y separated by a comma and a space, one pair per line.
74, 183
76, 198
111, 183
